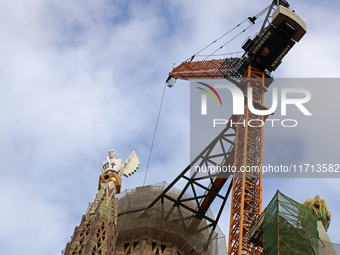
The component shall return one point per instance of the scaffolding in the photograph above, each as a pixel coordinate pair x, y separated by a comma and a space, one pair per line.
288, 227
151, 232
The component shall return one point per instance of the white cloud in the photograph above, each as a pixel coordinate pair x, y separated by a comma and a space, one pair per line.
79, 78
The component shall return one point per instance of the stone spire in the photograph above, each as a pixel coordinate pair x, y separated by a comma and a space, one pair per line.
95, 234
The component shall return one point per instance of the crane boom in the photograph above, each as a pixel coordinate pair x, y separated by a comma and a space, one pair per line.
206, 69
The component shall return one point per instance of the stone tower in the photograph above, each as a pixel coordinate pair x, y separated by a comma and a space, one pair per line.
95, 234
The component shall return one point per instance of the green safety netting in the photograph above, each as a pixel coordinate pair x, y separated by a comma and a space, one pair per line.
288, 227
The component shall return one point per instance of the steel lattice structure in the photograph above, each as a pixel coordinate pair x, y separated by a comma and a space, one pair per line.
263, 54
247, 187
205, 189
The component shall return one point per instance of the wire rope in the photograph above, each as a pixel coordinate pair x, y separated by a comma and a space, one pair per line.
154, 134
251, 19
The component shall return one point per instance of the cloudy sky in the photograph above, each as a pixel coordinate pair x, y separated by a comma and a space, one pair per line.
79, 78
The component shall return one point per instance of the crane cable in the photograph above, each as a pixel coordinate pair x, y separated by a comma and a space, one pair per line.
154, 134
192, 57
251, 19
228, 41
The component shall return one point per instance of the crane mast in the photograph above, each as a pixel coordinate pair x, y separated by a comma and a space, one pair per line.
246, 201
263, 54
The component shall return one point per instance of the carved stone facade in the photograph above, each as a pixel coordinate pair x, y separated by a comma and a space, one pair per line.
95, 234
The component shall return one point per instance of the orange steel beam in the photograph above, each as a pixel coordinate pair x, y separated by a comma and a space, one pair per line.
247, 187
206, 69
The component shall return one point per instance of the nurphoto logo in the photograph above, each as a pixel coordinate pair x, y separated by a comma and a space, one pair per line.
239, 103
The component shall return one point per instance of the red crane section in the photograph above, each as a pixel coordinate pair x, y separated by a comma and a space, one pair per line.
206, 69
